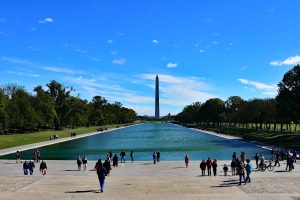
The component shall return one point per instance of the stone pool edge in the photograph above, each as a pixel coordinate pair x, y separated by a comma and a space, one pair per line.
229, 137
51, 142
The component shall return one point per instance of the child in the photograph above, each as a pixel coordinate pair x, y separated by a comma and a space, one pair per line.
225, 168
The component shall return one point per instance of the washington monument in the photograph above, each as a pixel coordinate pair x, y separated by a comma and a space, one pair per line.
156, 97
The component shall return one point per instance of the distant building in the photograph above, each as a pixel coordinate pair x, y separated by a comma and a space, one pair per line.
157, 97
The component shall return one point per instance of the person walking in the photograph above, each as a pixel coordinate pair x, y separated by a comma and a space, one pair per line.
277, 159
225, 169
110, 156
256, 158
240, 171
84, 162
25, 167
43, 168
31, 166
243, 157
123, 154
208, 165
158, 155
234, 155
214, 166
203, 167
107, 166
186, 160
154, 156
233, 166
115, 160
18, 157
131, 156
79, 162
248, 168
101, 171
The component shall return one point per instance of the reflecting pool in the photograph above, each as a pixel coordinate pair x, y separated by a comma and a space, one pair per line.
171, 140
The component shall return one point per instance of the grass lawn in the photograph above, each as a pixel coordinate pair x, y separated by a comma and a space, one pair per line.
7, 141
270, 138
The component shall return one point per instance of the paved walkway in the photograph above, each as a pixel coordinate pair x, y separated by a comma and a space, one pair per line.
143, 180
50, 142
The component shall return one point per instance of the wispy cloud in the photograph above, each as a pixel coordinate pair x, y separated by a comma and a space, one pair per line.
109, 41
179, 91
267, 89
20, 73
293, 60
46, 20
40, 66
201, 50
171, 65
121, 61
155, 41
63, 70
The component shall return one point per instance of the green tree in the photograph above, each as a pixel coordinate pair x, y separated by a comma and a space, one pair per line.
60, 95
288, 108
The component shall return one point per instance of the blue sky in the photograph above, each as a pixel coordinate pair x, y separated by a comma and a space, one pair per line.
200, 49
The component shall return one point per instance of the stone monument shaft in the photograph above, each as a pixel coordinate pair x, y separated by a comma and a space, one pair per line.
157, 97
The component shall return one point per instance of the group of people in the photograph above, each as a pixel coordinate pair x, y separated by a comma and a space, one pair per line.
81, 161
28, 167
239, 166
208, 164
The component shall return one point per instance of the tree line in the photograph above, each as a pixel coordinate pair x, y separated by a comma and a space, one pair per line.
282, 110
55, 108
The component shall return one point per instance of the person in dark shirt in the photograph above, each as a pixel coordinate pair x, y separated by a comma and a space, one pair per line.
131, 156
107, 166
25, 167
101, 172
115, 160
123, 154
158, 155
43, 168
31, 166
203, 167
214, 166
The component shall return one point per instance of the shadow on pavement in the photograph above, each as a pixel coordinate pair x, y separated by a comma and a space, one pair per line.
229, 183
281, 171
83, 191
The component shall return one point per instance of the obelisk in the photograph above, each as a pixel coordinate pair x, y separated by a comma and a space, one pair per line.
156, 97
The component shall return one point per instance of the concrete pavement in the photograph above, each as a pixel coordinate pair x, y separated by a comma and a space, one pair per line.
143, 180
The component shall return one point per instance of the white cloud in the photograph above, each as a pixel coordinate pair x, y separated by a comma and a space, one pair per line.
109, 41
155, 41
121, 61
46, 20
20, 73
267, 89
178, 91
63, 70
40, 66
114, 52
293, 60
215, 42
244, 68
201, 50
171, 65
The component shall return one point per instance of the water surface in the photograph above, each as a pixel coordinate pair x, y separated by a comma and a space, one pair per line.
171, 140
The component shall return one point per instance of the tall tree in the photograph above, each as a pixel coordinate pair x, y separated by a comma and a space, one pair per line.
289, 96
60, 95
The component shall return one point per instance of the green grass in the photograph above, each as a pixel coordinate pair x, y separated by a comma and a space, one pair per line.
269, 138
7, 141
